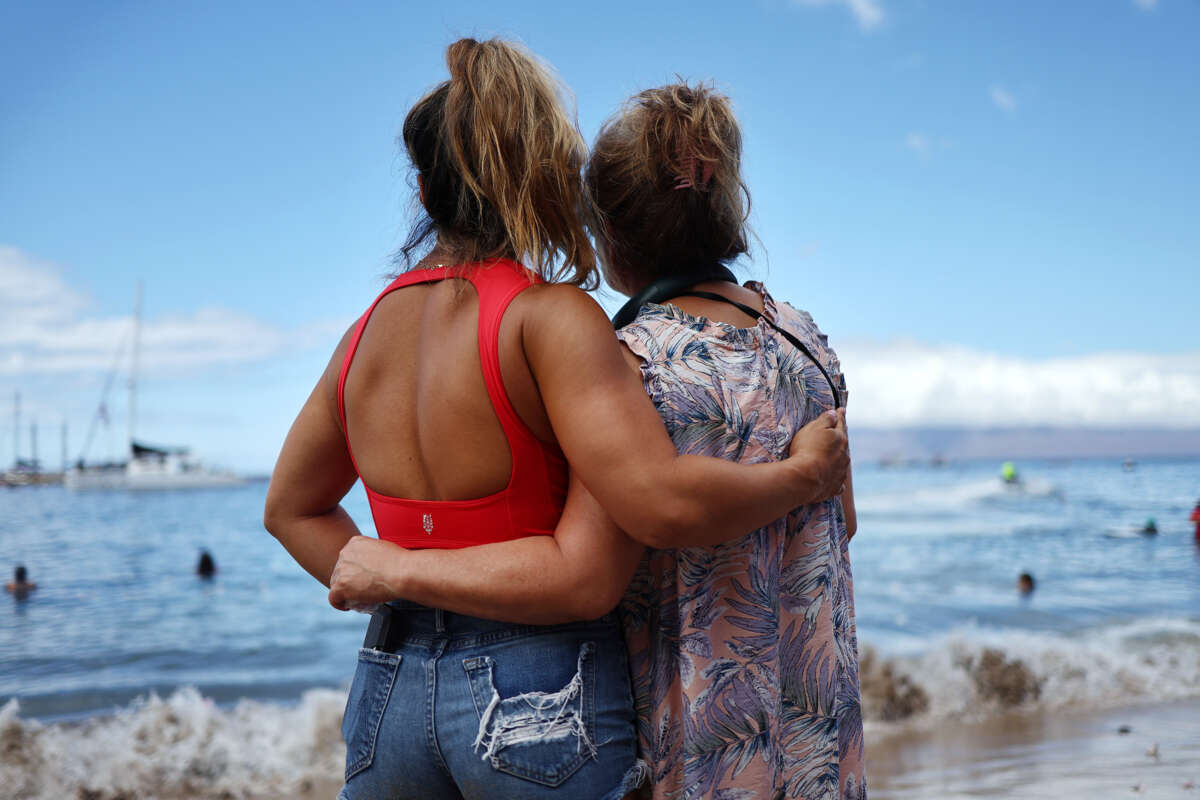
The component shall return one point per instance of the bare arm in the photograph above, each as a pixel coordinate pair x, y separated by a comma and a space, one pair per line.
616, 442
579, 573
314, 472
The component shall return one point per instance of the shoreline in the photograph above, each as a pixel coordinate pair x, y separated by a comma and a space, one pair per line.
186, 747
1150, 750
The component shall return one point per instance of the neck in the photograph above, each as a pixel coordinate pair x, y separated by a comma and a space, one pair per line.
449, 251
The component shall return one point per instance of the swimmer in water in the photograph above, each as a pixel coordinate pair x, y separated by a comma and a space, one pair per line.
1151, 527
20, 585
1195, 517
206, 567
1025, 584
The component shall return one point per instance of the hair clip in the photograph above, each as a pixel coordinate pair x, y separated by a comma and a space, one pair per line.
686, 180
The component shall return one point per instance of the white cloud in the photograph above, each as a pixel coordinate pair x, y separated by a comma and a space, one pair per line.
919, 143
868, 13
44, 328
925, 146
1146, 5
1003, 99
908, 383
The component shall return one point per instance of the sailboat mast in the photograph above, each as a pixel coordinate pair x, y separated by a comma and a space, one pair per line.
133, 369
16, 428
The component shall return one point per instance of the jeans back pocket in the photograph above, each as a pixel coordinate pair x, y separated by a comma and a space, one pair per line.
369, 694
542, 737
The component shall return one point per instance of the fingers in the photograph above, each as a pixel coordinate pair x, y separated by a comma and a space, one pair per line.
338, 600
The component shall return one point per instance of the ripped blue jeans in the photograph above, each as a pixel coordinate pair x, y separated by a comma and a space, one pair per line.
470, 709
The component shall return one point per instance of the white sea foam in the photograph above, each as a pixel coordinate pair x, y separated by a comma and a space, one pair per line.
956, 497
183, 746
974, 673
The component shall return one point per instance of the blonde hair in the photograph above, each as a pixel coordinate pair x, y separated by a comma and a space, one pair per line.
666, 186
500, 160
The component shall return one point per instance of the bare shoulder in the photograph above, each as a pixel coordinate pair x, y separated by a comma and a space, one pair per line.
560, 309
333, 372
560, 298
339, 353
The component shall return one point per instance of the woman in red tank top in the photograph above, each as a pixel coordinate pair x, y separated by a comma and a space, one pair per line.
458, 398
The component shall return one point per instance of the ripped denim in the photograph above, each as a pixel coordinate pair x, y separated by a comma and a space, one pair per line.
469, 709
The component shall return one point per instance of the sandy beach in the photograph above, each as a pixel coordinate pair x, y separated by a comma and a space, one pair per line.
1150, 751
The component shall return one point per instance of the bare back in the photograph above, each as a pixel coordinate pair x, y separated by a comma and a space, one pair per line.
419, 418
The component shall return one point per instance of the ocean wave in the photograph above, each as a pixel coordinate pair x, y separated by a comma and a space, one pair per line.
186, 746
957, 497
183, 746
974, 673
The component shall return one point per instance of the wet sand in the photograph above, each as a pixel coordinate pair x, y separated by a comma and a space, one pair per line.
1057, 755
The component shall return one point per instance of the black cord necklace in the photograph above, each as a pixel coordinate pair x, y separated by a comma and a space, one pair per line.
664, 289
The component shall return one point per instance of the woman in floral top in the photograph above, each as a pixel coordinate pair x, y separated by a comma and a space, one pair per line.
743, 653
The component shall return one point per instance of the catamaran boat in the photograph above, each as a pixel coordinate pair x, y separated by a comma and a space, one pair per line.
148, 467
151, 468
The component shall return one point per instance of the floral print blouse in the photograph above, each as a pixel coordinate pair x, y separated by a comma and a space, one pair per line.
744, 655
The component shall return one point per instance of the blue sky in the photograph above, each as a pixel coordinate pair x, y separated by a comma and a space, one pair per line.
988, 206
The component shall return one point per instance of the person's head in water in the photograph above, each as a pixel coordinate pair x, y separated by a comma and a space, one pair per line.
206, 567
1025, 583
20, 585
1150, 526
665, 181
498, 160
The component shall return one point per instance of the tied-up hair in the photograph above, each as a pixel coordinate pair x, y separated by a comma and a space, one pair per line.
665, 184
499, 160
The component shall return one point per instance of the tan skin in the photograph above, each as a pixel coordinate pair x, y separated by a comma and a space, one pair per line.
421, 426
579, 573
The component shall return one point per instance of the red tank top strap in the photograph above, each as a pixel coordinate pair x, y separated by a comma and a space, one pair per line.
497, 286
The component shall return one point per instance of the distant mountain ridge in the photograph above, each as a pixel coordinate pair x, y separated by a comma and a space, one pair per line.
1033, 442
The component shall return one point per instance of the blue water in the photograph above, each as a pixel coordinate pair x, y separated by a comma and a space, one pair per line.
119, 611
941, 548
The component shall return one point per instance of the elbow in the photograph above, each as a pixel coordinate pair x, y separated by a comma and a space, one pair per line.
667, 524
589, 601
274, 515
271, 520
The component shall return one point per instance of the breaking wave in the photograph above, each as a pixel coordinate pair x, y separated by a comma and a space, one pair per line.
186, 746
183, 746
959, 497
974, 673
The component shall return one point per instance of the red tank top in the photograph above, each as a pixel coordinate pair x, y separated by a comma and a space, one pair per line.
533, 500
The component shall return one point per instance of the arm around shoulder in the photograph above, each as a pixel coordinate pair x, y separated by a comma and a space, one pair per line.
616, 442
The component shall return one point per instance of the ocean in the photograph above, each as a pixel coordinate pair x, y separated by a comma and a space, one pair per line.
125, 675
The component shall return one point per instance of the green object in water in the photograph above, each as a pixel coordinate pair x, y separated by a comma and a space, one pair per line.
1009, 471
